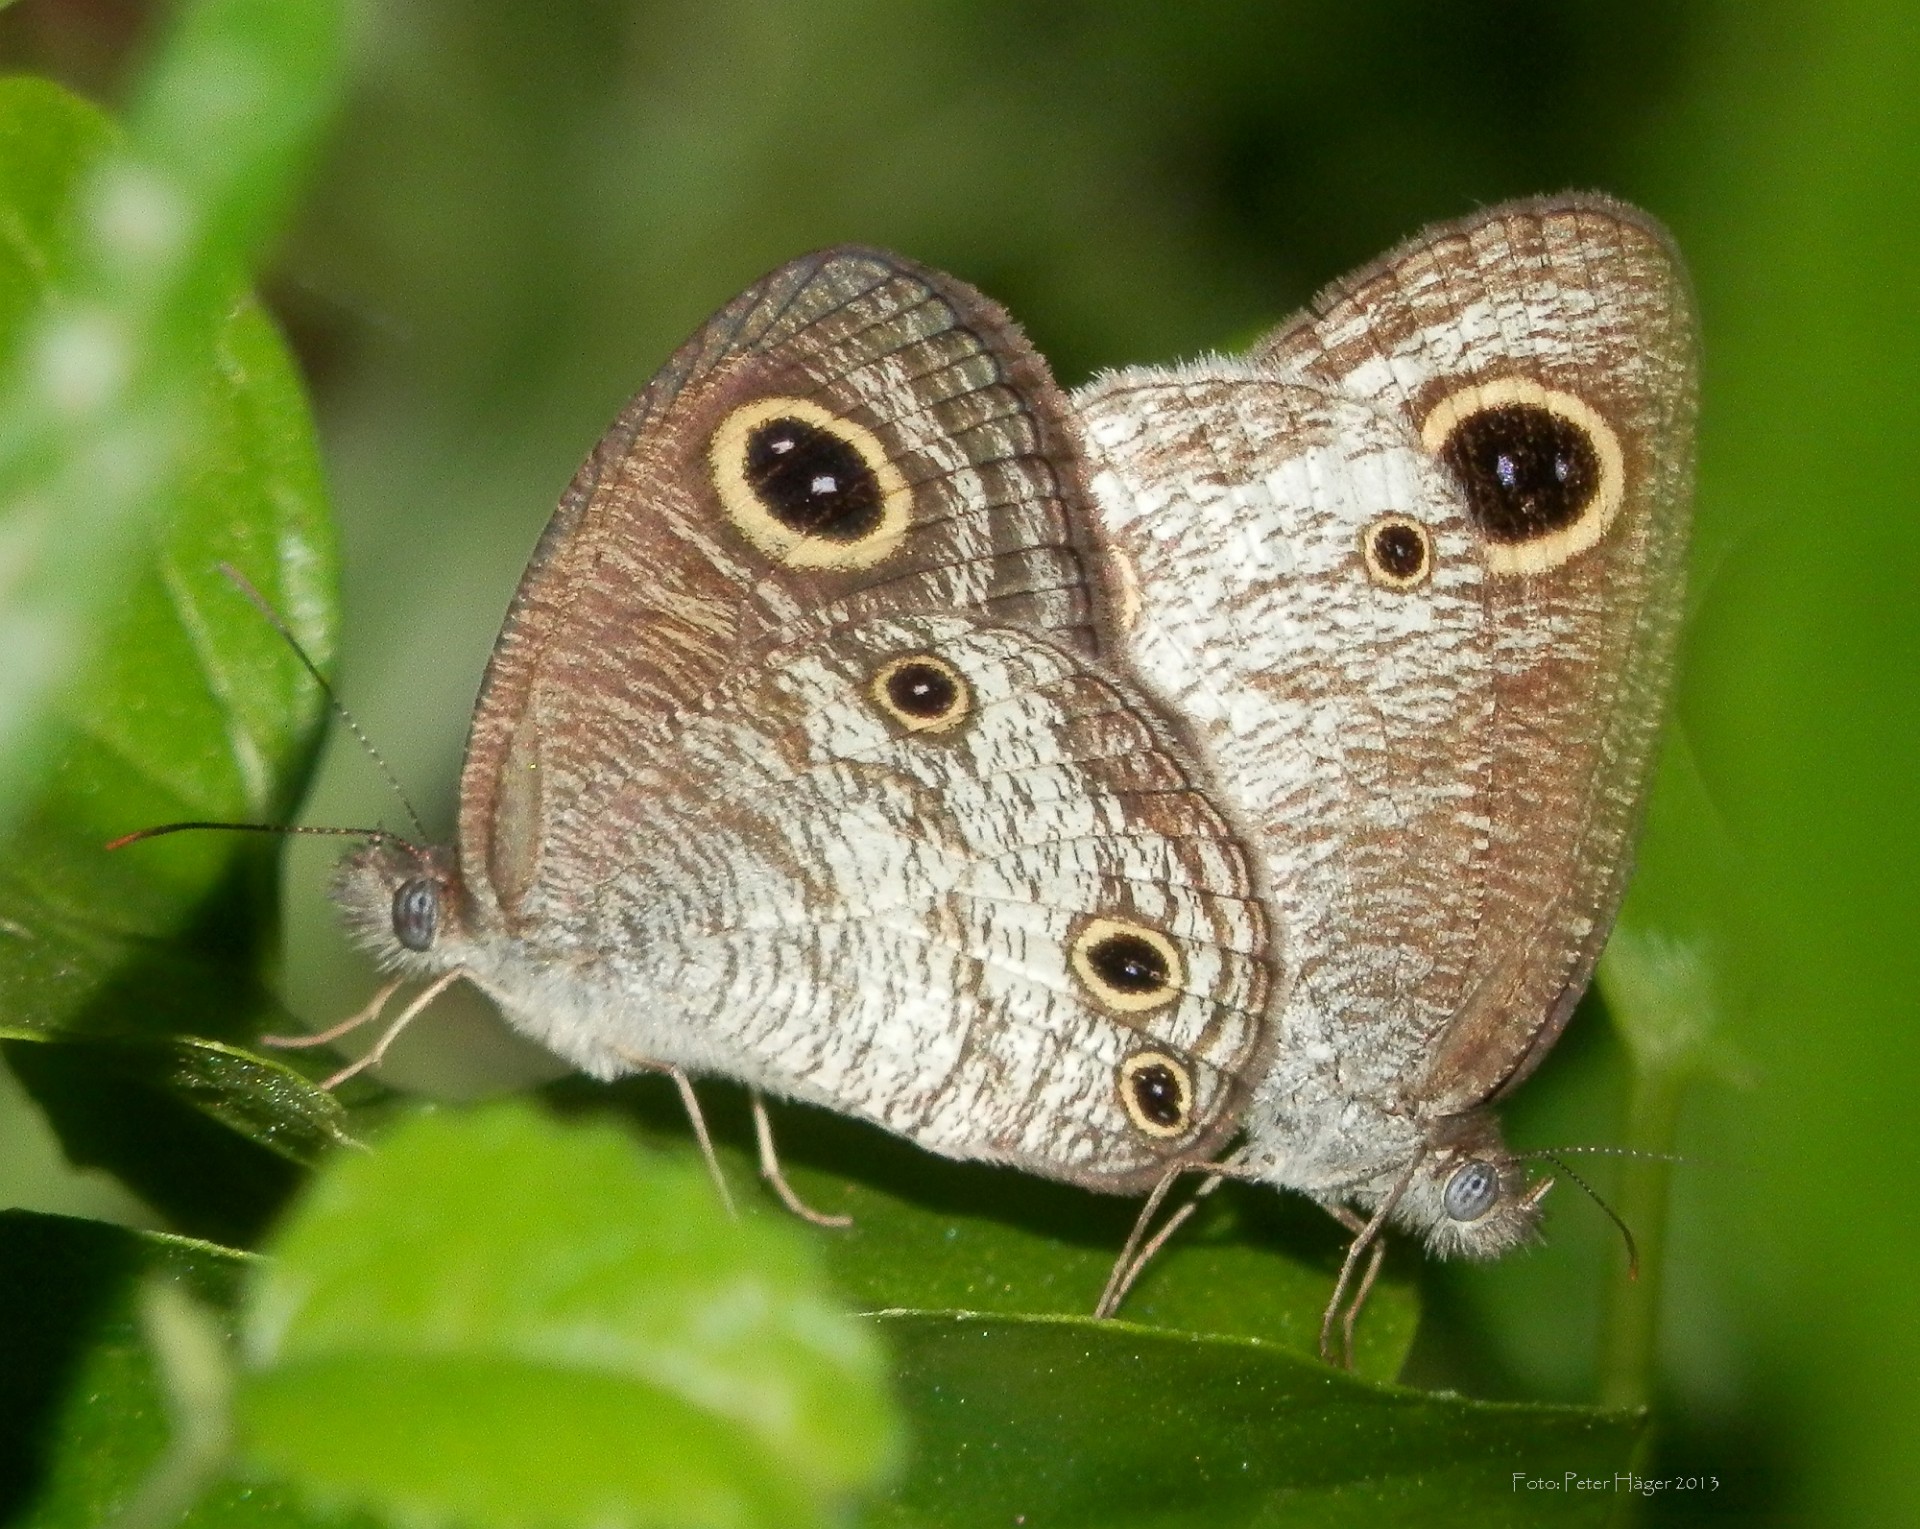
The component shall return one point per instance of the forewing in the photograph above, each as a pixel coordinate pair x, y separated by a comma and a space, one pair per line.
852, 436
1447, 766
1536, 304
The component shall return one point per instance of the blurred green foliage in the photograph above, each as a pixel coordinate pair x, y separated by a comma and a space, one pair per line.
524, 207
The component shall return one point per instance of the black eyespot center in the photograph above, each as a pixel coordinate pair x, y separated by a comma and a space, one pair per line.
1527, 471
813, 480
1399, 550
1471, 1191
1158, 1093
416, 912
923, 690
1130, 964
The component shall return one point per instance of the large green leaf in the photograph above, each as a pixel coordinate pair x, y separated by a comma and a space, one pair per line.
187, 706
84, 1416
931, 1234
1083, 1425
501, 1321
103, 385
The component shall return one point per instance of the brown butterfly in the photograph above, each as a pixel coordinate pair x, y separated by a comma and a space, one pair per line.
1412, 570
796, 761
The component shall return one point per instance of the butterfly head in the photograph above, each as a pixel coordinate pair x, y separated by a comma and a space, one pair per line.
402, 902
1469, 1197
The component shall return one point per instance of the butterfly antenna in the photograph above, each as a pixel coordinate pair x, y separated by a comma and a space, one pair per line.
1626, 1232
240, 582
1651, 1157
377, 835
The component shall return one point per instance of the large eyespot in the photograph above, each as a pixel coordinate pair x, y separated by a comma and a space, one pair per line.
807, 487
1398, 552
416, 912
1541, 470
1127, 966
1471, 1191
1156, 1090
922, 693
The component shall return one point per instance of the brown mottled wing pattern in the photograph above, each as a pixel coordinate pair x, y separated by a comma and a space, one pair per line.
642, 593
1584, 296
1412, 569
795, 761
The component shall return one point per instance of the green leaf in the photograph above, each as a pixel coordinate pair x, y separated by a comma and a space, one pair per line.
502, 1321
103, 397
83, 1410
187, 706
1082, 1425
208, 1134
932, 1234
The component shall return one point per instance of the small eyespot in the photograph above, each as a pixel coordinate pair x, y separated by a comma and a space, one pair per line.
809, 488
1156, 1091
922, 693
1127, 966
1471, 1191
1398, 552
416, 912
1541, 471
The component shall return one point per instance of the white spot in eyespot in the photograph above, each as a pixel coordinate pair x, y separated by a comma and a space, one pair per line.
825, 484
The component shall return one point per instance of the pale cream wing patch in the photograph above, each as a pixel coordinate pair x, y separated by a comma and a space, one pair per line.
1308, 592
954, 879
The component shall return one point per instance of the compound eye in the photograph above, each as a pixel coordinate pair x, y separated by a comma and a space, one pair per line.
1471, 1191
416, 912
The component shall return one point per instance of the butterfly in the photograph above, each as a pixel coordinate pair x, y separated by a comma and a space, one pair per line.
1412, 570
797, 761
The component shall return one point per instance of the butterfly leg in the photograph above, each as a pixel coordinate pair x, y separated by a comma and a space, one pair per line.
1355, 1224
346, 1026
770, 1171
1366, 1241
404, 1018
1135, 1256
698, 1120
1359, 1300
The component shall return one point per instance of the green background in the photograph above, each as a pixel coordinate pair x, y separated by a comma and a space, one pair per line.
523, 207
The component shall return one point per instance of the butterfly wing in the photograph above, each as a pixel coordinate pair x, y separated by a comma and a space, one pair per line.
1414, 568
1549, 334
946, 470
713, 813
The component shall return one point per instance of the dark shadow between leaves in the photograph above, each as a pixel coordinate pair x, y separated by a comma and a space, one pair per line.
69, 1287
113, 1106
817, 1139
